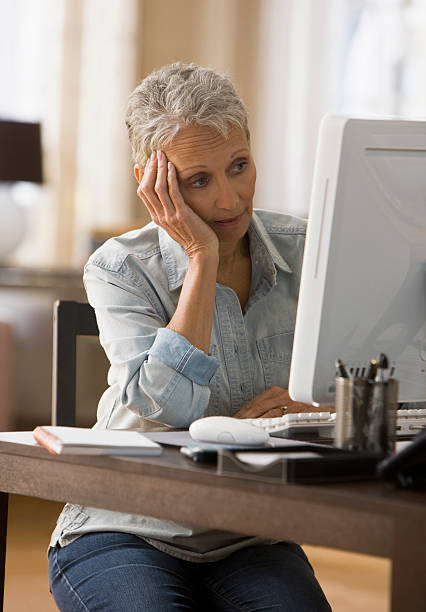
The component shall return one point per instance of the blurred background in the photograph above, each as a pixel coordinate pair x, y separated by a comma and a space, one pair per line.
66, 70
68, 66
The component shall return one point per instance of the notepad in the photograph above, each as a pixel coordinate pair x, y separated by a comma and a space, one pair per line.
81, 441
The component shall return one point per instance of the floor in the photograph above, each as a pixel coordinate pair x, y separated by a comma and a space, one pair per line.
352, 583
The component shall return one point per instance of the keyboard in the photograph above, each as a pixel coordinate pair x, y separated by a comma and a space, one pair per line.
321, 424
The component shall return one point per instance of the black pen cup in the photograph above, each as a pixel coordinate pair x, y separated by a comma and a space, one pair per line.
366, 414
351, 429
382, 411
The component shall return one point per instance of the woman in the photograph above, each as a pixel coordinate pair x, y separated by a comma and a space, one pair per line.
196, 314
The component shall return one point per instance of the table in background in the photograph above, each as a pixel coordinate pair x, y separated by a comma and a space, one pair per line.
364, 517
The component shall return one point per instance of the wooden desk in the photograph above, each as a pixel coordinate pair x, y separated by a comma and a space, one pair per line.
368, 517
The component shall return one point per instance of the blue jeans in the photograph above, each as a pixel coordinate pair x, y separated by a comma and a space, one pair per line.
119, 572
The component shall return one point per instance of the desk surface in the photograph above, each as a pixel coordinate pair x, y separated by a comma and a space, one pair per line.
366, 517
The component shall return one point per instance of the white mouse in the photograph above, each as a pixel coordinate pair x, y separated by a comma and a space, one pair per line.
227, 430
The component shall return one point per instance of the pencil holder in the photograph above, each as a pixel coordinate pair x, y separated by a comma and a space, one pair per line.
351, 429
366, 414
382, 411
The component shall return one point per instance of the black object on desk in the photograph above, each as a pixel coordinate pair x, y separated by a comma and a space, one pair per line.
304, 465
406, 469
200, 454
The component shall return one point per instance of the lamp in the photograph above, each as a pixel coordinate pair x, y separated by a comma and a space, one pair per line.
20, 160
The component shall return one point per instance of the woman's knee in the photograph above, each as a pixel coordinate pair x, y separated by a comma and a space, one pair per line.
279, 577
116, 572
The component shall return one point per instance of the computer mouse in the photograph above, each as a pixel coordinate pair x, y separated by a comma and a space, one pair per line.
227, 430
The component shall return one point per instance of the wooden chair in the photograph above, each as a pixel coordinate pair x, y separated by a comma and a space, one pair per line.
70, 320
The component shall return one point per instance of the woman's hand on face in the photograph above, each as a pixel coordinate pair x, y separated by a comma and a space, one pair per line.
270, 404
159, 191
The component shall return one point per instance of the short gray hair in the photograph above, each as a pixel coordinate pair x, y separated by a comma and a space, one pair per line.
176, 96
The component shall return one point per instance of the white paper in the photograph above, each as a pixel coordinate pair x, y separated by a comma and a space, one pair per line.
18, 437
82, 436
265, 459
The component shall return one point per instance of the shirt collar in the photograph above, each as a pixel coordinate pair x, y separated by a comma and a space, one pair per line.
260, 239
261, 247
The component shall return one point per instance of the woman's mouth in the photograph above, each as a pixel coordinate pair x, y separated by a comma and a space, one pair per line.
229, 222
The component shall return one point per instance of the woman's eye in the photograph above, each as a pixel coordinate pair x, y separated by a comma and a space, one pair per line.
199, 182
240, 166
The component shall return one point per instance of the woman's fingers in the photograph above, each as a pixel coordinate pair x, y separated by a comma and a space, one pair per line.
270, 404
151, 209
146, 186
153, 188
274, 398
299, 407
272, 414
159, 190
198, 235
173, 186
256, 409
161, 183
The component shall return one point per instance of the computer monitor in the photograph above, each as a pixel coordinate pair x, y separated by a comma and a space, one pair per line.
363, 284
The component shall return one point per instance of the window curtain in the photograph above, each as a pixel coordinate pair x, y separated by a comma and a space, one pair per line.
30, 77
358, 57
386, 59
301, 42
70, 64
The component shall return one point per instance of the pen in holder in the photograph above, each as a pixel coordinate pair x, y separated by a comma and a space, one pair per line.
366, 412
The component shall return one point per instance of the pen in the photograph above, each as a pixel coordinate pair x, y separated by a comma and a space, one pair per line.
382, 365
372, 370
341, 369
378, 421
365, 404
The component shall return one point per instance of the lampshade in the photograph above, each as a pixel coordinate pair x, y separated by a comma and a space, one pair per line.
20, 152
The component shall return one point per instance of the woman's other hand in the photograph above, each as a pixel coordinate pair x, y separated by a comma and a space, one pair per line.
159, 191
270, 404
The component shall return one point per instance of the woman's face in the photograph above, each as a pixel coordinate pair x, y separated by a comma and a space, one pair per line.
217, 177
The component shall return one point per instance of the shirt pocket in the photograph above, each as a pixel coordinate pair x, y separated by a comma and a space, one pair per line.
275, 356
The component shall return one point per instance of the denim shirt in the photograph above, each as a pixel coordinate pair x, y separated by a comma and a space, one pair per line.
157, 378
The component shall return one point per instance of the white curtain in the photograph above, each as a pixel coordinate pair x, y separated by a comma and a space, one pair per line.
104, 181
70, 65
30, 76
302, 41
357, 57
386, 59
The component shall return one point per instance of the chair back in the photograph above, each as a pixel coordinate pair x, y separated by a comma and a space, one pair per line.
70, 320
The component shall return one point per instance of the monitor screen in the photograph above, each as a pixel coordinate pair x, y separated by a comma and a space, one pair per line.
363, 284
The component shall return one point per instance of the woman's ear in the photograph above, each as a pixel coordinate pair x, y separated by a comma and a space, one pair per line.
138, 170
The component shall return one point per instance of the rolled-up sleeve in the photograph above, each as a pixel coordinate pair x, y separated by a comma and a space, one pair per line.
155, 372
175, 350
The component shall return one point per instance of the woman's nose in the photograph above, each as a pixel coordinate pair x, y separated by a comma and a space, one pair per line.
227, 198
